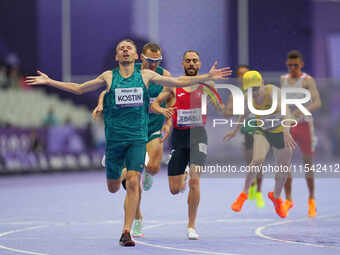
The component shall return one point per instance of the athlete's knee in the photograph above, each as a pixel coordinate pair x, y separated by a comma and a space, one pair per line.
194, 183
174, 191
132, 184
174, 188
153, 168
113, 188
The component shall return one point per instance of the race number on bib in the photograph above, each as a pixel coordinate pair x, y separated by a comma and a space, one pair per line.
191, 117
129, 97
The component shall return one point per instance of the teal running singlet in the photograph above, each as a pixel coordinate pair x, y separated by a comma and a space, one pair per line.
126, 108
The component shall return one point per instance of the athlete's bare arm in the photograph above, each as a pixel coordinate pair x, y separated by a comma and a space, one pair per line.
166, 95
184, 81
100, 106
240, 119
288, 139
75, 88
309, 83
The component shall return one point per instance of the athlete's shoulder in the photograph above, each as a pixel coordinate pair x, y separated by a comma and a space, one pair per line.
308, 80
307, 77
106, 75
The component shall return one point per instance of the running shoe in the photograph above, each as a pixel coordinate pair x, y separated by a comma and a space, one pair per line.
288, 205
192, 234
237, 205
278, 204
147, 181
137, 230
311, 208
126, 240
252, 192
259, 200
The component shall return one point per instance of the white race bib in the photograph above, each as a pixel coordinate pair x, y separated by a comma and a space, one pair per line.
190, 117
129, 97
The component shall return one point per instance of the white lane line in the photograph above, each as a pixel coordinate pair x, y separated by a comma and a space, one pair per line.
259, 233
178, 249
17, 231
181, 249
244, 220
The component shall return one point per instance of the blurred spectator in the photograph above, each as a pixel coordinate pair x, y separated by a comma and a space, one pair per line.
98, 131
13, 60
16, 79
50, 119
3, 76
37, 145
88, 136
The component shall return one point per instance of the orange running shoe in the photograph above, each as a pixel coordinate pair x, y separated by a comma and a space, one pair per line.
278, 204
311, 208
288, 205
237, 205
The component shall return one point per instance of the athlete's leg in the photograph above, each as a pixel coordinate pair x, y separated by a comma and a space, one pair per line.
132, 198
113, 185
176, 170
288, 188
194, 195
308, 160
260, 150
154, 149
176, 183
283, 158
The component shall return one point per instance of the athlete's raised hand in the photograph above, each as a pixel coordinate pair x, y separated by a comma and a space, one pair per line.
219, 74
37, 80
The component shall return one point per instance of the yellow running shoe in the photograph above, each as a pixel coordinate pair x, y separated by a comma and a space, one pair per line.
252, 191
259, 200
311, 208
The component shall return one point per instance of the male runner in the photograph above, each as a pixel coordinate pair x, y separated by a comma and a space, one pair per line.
271, 134
151, 57
303, 133
125, 111
255, 188
189, 137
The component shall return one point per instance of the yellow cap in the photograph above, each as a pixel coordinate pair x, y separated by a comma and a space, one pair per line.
251, 79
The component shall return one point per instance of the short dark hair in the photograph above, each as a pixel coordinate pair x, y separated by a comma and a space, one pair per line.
127, 40
154, 47
295, 54
191, 51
